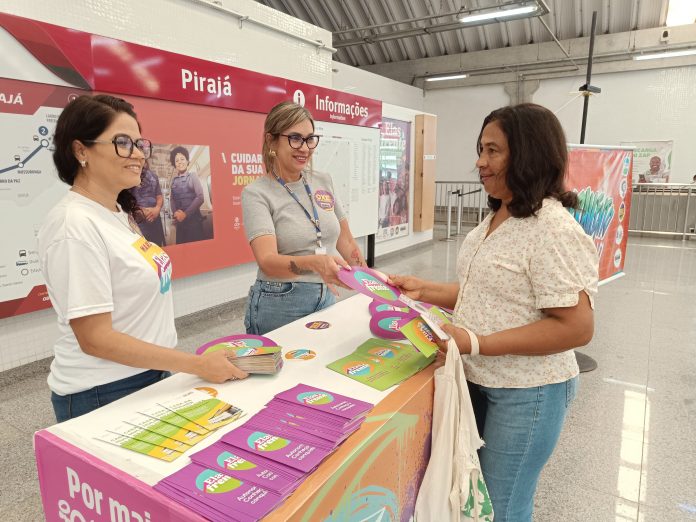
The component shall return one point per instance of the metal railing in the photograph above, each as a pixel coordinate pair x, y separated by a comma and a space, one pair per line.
461, 202
663, 209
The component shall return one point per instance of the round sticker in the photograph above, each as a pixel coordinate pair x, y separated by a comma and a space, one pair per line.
206, 389
318, 325
302, 354
324, 199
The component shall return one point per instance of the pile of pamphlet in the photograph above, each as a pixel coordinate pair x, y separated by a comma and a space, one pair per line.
251, 353
168, 428
253, 468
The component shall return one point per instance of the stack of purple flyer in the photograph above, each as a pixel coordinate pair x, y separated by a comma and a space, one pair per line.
218, 496
255, 467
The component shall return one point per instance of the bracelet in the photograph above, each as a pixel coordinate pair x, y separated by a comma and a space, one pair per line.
474, 342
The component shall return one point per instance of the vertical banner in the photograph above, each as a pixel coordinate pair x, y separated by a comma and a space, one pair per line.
394, 178
652, 160
602, 179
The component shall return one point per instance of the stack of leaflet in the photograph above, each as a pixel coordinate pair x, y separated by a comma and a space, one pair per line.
252, 469
251, 353
169, 428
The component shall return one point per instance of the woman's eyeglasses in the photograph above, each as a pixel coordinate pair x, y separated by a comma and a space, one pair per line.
296, 141
123, 144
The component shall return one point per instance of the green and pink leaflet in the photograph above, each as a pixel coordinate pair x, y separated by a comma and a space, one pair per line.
371, 283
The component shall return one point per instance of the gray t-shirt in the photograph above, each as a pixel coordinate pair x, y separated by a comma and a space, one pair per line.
268, 209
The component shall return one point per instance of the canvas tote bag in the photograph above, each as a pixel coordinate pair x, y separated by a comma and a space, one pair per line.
453, 488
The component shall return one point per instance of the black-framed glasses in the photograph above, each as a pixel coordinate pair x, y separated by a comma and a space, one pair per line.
123, 144
296, 141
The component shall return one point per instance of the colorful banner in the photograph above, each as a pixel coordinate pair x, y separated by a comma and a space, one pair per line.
652, 160
394, 177
217, 130
602, 179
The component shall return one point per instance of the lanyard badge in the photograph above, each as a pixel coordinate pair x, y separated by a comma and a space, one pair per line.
320, 249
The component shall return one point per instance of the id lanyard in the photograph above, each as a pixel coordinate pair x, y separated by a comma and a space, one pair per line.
314, 220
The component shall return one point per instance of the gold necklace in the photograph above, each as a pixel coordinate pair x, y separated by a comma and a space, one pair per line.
132, 225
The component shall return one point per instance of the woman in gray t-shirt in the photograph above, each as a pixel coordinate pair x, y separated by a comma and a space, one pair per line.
295, 225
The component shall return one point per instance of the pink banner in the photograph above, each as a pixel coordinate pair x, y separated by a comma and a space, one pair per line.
602, 179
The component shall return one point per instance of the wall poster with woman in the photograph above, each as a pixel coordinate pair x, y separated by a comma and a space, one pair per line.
183, 172
394, 178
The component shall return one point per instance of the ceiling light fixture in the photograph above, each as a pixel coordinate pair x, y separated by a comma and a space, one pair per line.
500, 14
448, 77
668, 54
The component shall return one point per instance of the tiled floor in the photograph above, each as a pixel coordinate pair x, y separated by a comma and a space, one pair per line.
628, 451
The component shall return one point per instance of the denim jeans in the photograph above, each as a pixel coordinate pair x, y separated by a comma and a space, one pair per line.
275, 304
76, 404
520, 427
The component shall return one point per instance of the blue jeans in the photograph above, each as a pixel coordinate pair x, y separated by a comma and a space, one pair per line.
275, 304
521, 427
76, 404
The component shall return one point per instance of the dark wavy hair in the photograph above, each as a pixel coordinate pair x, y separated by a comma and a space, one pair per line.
538, 158
178, 150
84, 119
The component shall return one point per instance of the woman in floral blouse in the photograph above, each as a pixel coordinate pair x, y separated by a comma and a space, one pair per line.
527, 276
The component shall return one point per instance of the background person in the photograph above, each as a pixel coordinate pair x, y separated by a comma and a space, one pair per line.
295, 225
186, 198
109, 286
148, 197
527, 277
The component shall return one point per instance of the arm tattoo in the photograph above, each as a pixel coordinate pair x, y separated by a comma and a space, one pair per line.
297, 270
355, 256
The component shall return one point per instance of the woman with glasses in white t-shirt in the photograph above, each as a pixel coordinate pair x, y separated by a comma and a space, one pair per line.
527, 277
109, 286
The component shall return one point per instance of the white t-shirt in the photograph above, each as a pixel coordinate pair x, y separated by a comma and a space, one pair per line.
94, 263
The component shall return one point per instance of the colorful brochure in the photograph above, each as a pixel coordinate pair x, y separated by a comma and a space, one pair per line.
371, 283
264, 423
381, 364
232, 342
386, 324
421, 336
296, 412
226, 459
202, 409
223, 493
274, 446
147, 436
376, 306
165, 415
165, 429
312, 427
139, 446
326, 402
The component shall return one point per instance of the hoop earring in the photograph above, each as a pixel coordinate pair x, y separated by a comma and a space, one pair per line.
83, 163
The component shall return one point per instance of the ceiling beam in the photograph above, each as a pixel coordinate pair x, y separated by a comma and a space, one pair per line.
617, 47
